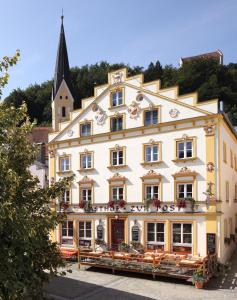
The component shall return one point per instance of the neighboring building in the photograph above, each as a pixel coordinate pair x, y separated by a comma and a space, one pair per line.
39, 136
149, 165
218, 55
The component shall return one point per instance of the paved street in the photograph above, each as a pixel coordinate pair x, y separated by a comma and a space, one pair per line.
93, 284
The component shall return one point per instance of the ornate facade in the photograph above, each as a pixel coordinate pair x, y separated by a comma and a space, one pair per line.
150, 166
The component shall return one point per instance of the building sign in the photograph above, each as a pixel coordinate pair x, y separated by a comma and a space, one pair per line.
100, 230
135, 232
211, 243
165, 208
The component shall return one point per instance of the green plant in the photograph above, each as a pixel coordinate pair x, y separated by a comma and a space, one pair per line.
198, 276
123, 247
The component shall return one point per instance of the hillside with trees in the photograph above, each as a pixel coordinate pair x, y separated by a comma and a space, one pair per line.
207, 77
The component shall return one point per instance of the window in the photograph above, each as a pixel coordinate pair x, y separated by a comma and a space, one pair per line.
151, 153
86, 161
152, 192
116, 123
184, 190
117, 98
63, 111
227, 191
117, 193
235, 193
117, 158
64, 163
231, 158
182, 237
85, 233
184, 149
86, 194
155, 235
67, 233
151, 117
224, 152
85, 129
66, 97
66, 196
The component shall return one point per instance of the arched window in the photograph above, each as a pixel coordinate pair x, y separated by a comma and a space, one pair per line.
63, 111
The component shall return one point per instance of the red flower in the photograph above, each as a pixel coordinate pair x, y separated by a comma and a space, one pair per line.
156, 202
121, 203
181, 204
111, 204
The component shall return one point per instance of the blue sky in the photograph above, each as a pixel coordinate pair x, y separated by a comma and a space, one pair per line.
130, 31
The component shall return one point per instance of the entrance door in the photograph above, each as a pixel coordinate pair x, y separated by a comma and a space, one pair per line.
117, 233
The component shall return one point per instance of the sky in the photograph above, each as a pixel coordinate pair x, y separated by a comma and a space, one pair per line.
130, 31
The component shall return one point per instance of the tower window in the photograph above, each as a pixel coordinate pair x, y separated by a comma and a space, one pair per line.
61, 97
63, 111
66, 97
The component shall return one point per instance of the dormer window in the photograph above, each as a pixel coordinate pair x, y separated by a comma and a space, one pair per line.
117, 98
151, 117
63, 111
85, 129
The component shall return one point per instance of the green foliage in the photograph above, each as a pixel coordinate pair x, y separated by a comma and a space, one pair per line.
5, 64
207, 77
28, 257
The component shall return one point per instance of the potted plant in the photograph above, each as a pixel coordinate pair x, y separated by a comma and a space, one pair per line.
123, 247
198, 279
111, 204
156, 202
137, 246
82, 204
181, 203
64, 205
121, 203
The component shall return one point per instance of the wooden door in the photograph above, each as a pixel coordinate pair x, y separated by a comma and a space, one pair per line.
117, 233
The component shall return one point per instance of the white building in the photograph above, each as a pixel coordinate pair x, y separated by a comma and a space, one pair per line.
149, 165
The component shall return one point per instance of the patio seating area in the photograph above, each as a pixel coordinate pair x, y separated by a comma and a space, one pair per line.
156, 263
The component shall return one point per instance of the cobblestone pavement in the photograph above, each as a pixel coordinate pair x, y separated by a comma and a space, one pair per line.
92, 284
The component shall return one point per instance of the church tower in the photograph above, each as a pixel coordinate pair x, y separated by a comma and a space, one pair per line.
62, 96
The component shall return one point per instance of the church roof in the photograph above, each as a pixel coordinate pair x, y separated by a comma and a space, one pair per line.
62, 70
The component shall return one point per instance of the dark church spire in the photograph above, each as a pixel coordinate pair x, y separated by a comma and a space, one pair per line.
62, 70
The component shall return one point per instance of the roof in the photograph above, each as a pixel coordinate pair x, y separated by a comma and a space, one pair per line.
211, 55
62, 70
40, 134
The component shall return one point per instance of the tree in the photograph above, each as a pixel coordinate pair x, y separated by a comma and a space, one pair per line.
28, 256
207, 77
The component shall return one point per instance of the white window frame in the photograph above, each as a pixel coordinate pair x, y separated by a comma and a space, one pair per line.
66, 196
152, 187
117, 158
152, 153
185, 190
186, 149
88, 159
118, 98
118, 194
87, 133
155, 242
67, 236
182, 235
85, 237
151, 120
117, 123
87, 196
64, 163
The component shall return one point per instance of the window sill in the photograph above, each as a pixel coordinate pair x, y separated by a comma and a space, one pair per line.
118, 106
153, 163
86, 170
183, 160
117, 167
65, 172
